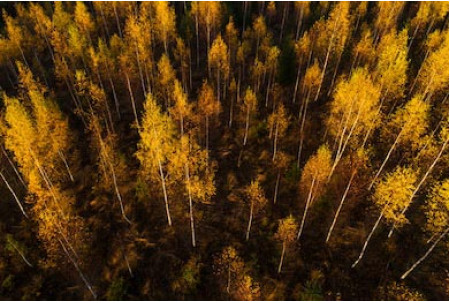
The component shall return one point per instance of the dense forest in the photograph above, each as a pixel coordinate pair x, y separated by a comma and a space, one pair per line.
224, 150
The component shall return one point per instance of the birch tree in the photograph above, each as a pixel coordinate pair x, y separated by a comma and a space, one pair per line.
313, 180
157, 137
407, 126
287, 228
437, 219
277, 123
256, 199
391, 196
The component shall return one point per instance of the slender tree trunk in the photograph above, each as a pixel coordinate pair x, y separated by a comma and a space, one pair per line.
247, 123
190, 66
343, 144
141, 74
229, 278
119, 197
116, 100
302, 124
126, 259
308, 202
277, 183
82, 276
198, 43
21, 254
286, 6
425, 255
117, 21
207, 132
61, 155
245, 15
326, 61
249, 226
340, 207
413, 36
418, 73
334, 75
367, 240
41, 67
231, 111
275, 142
191, 207
166, 200
208, 44
385, 160
132, 100
268, 88
282, 257
14, 194
13, 167
299, 24
297, 81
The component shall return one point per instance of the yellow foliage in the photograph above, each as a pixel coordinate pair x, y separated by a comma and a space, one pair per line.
364, 49
83, 18
392, 63
311, 81
387, 15
255, 196
208, 104
287, 230
433, 77
436, 209
354, 108
278, 122
157, 138
316, 172
20, 135
411, 120
164, 21
166, 71
393, 194
218, 56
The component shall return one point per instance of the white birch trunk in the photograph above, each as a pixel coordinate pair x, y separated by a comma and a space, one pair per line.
367, 240
249, 226
338, 211
425, 255
282, 257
